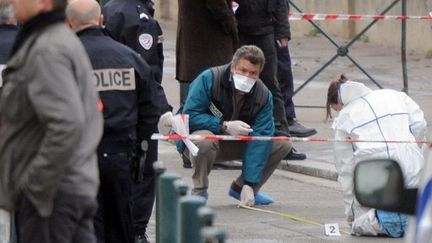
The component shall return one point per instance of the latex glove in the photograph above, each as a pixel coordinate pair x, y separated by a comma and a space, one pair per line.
165, 123
247, 197
237, 128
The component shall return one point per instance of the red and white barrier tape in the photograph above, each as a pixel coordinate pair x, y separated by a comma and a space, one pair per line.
157, 136
320, 16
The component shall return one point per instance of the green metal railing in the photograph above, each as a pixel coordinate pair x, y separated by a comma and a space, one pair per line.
182, 218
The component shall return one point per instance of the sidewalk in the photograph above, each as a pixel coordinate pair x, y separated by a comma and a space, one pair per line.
308, 55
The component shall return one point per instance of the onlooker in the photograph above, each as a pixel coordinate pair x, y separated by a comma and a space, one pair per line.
260, 23
131, 22
206, 37
286, 83
127, 89
230, 99
383, 115
54, 123
8, 31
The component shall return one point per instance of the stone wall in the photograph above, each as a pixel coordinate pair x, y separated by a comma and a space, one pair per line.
385, 32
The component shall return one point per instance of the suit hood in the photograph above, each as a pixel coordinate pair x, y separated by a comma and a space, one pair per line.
351, 90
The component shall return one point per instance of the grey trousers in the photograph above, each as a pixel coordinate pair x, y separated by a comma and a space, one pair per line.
217, 151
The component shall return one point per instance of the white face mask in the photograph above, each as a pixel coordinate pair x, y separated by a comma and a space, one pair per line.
243, 83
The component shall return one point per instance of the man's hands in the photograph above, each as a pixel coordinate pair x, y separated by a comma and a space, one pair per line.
283, 42
247, 197
237, 128
165, 123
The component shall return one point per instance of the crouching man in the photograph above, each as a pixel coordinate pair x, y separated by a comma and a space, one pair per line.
231, 100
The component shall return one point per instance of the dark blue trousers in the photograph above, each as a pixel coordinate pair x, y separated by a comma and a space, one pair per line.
285, 78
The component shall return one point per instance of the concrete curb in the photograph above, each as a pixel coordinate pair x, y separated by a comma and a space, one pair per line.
311, 168
306, 167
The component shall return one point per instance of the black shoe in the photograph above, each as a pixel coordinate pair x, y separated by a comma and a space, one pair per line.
187, 164
298, 130
294, 155
282, 133
143, 238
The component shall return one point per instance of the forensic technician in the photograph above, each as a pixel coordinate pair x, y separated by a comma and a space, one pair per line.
384, 115
231, 99
127, 90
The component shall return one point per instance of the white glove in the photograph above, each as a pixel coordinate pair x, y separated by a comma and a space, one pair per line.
237, 128
165, 123
247, 197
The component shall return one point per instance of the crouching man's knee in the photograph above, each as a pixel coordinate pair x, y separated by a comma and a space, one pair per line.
282, 148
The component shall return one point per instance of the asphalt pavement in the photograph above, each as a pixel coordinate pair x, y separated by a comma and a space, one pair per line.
316, 196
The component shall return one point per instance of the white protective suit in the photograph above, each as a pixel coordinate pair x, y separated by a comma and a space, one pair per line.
375, 115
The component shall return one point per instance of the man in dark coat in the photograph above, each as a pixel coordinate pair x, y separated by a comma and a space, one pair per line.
206, 37
286, 84
261, 22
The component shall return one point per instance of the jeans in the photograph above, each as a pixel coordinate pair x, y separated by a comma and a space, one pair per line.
394, 224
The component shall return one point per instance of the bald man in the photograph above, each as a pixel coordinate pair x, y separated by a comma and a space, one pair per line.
128, 92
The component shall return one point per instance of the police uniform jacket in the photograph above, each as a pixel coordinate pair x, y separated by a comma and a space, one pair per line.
201, 106
125, 85
131, 22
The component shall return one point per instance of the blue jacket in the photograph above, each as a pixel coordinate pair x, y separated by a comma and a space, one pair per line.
200, 118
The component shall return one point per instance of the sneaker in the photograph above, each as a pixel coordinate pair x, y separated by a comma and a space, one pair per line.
260, 198
294, 155
187, 164
142, 238
298, 130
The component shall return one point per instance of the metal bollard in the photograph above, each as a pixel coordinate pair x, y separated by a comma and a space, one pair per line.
166, 204
212, 235
206, 216
181, 189
189, 222
209, 234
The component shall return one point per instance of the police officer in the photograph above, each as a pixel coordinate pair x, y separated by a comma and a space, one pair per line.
131, 22
8, 31
131, 112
